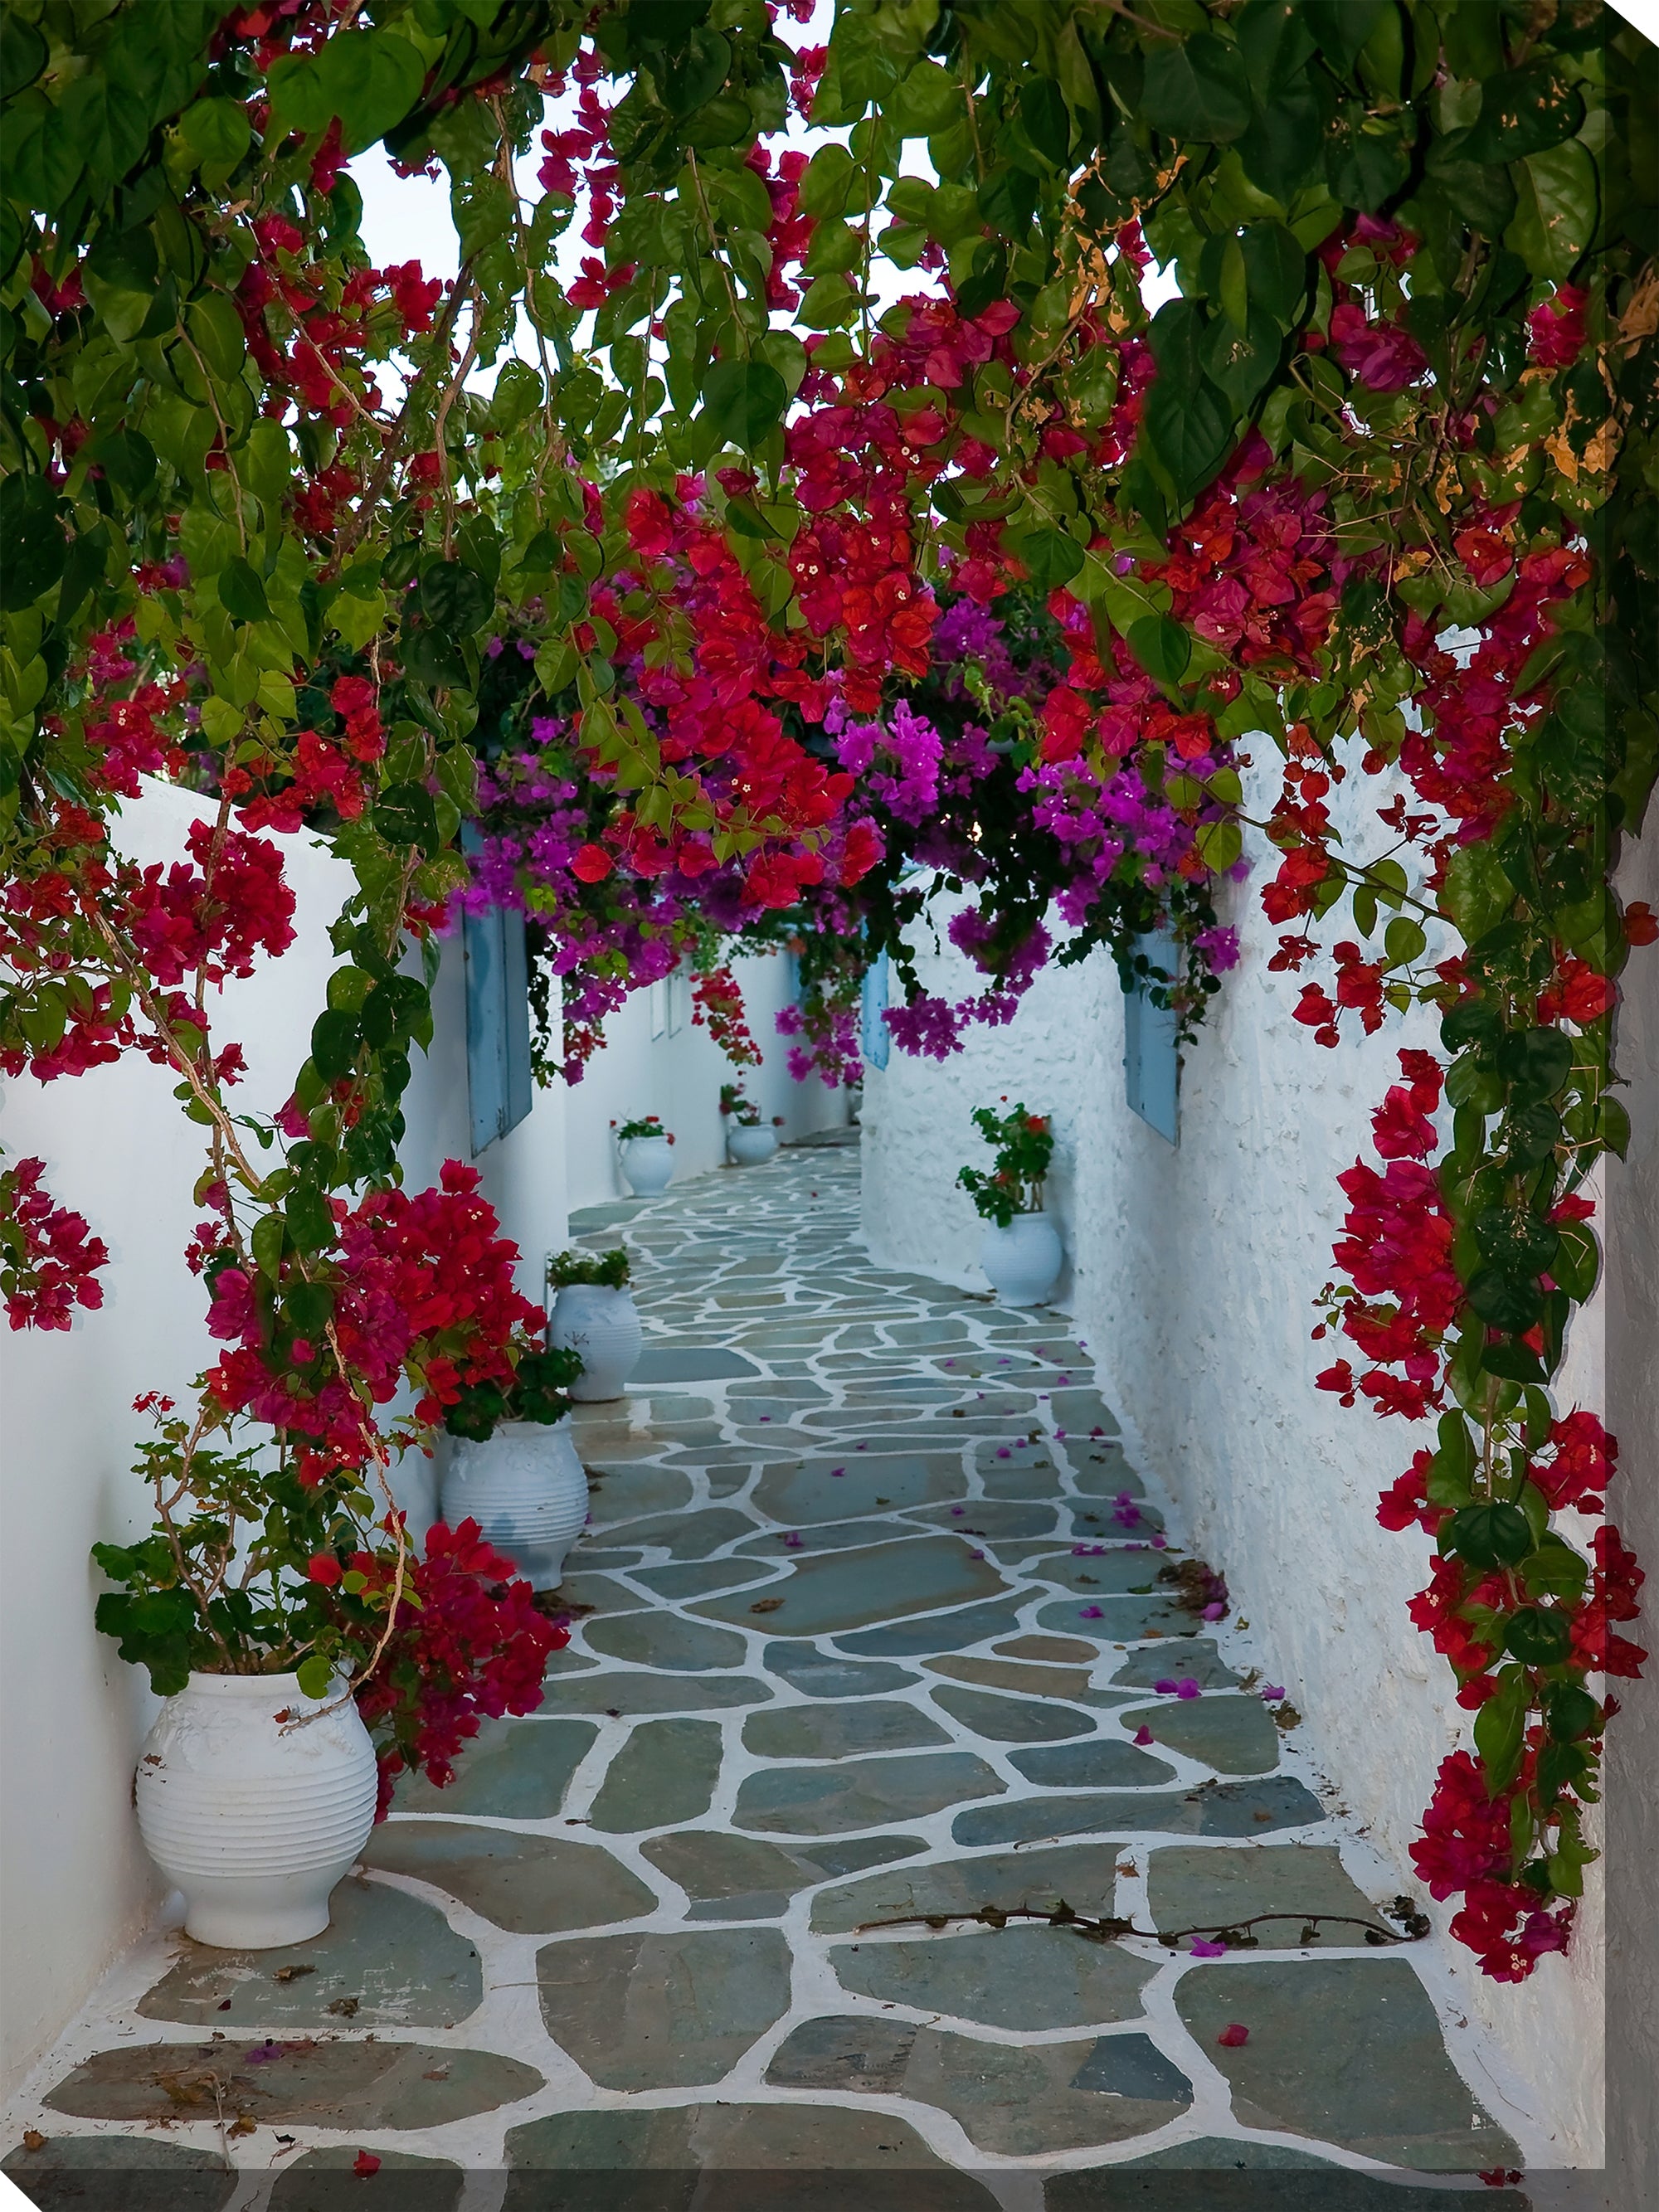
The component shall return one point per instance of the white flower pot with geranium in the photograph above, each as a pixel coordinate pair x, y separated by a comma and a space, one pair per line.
594, 1314
644, 1149
748, 1139
1020, 1250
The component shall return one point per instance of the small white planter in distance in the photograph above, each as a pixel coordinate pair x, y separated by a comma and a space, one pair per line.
1022, 1261
648, 1164
749, 1143
254, 1819
526, 1490
603, 1325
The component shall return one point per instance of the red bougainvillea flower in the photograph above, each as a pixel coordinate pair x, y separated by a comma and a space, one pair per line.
1233, 2035
323, 1567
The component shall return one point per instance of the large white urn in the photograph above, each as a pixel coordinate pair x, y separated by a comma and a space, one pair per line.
648, 1164
603, 1325
526, 1490
254, 1800
749, 1143
1023, 1261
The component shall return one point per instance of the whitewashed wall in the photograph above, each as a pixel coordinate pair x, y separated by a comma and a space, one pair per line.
1194, 1268
655, 1061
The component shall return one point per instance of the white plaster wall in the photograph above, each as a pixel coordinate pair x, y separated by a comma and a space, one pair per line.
1193, 1272
679, 1075
917, 1115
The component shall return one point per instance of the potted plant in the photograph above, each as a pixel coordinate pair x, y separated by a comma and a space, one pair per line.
1020, 1252
594, 1314
748, 1139
643, 1148
304, 1657
514, 1467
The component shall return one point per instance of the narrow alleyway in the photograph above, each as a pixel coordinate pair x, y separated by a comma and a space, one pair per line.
872, 1629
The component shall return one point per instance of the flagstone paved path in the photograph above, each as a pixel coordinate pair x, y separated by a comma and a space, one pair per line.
870, 1625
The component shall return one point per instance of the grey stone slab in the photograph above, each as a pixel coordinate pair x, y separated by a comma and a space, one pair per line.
1234, 1735
663, 2010
745, 1877
1028, 1679
1217, 2174
1084, 1874
1199, 1888
1024, 2101
835, 1731
1215, 1810
530, 1885
690, 1535
671, 1362
626, 1493
394, 1958
1103, 1762
1132, 2066
326, 2181
840, 1590
663, 1640
597, 1594
993, 1520
614, 1691
847, 2053
119, 2174
1115, 1620
1117, 1573
666, 1771
859, 1792
1192, 1657
340, 2084
1345, 2050
827, 1536
845, 1483
822, 1674
936, 1631
1013, 1720
697, 1577
1025, 1977
731, 2158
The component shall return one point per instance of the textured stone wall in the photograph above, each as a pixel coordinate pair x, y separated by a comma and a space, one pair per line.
1193, 1268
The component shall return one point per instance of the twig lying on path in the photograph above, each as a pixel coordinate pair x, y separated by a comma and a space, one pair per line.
1415, 1925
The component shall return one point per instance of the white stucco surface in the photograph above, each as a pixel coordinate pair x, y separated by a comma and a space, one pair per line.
677, 1072
1193, 1271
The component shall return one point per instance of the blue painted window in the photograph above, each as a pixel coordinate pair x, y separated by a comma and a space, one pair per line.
498, 1079
1152, 1062
875, 1038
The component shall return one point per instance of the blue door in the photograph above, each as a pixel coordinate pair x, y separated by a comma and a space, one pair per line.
1152, 1061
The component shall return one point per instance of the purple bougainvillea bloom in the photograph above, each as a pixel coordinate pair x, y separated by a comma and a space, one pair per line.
1215, 1610
1203, 1949
263, 2053
837, 1470
766, 1417
1002, 1452
1166, 1688
1093, 1613
957, 1511
1143, 1734
1186, 1687
976, 1555
1060, 1434
794, 1541
861, 1447
1160, 1543
1272, 1691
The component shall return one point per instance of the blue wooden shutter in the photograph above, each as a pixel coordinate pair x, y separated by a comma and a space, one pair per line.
1152, 1062
875, 1038
498, 1080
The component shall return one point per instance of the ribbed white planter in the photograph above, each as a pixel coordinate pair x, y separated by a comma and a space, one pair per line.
603, 1325
1022, 1261
749, 1147
526, 1490
648, 1164
254, 1819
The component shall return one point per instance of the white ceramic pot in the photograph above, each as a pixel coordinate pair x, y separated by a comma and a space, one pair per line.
254, 1819
603, 1325
1023, 1260
749, 1147
526, 1490
648, 1164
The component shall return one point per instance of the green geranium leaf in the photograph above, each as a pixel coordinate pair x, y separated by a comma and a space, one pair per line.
1556, 204
743, 403
1196, 90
